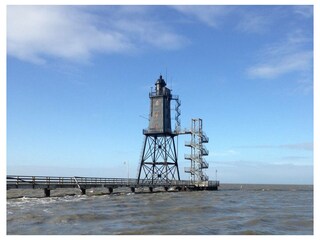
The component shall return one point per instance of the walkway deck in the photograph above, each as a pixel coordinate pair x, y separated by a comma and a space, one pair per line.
48, 183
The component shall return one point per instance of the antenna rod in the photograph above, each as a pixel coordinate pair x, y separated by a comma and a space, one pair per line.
166, 74
144, 117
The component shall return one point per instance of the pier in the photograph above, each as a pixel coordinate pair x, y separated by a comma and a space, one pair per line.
158, 163
48, 183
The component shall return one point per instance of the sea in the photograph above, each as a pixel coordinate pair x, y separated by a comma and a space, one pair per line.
235, 209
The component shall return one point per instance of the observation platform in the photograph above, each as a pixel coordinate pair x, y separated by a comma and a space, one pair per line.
83, 183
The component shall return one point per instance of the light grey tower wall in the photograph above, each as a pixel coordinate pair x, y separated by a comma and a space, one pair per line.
160, 116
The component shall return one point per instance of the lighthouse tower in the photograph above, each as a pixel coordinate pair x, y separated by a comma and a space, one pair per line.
159, 161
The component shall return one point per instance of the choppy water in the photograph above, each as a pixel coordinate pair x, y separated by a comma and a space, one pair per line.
234, 209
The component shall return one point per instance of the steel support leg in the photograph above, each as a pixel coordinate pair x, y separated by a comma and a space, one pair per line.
83, 191
47, 192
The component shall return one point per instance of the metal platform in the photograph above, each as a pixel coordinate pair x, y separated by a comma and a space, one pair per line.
48, 183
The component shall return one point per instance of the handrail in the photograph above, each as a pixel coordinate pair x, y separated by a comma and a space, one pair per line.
46, 181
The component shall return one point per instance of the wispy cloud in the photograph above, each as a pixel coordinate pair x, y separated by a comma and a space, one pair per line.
229, 152
304, 85
296, 159
209, 15
292, 62
254, 23
293, 55
304, 11
151, 33
257, 172
243, 19
299, 146
38, 32
285, 57
307, 146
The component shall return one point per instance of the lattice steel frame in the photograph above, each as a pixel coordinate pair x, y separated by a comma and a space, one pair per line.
198, 151
159, 161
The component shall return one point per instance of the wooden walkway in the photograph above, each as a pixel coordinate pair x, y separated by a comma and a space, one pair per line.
83, 183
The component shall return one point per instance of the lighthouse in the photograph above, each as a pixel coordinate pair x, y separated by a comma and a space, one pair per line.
160, 115
159, 161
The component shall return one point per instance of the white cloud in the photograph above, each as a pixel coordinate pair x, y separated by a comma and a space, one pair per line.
296, 160
229, 152
304, 85
151, 33
210, 15
285, 57
292, 62
299, 146
253, 23
305, 11
243, 19
292, 54
37, 32
307, 146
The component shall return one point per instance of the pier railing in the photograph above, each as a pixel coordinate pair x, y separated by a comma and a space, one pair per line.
50, 182
64, 182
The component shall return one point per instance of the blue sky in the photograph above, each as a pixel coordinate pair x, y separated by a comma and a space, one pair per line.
78, 79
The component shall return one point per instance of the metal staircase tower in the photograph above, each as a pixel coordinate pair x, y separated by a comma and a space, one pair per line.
198, 151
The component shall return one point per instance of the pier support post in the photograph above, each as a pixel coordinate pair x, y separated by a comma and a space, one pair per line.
47, 192
83, 191
110, 190
151, 189
166, 189
133, 189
